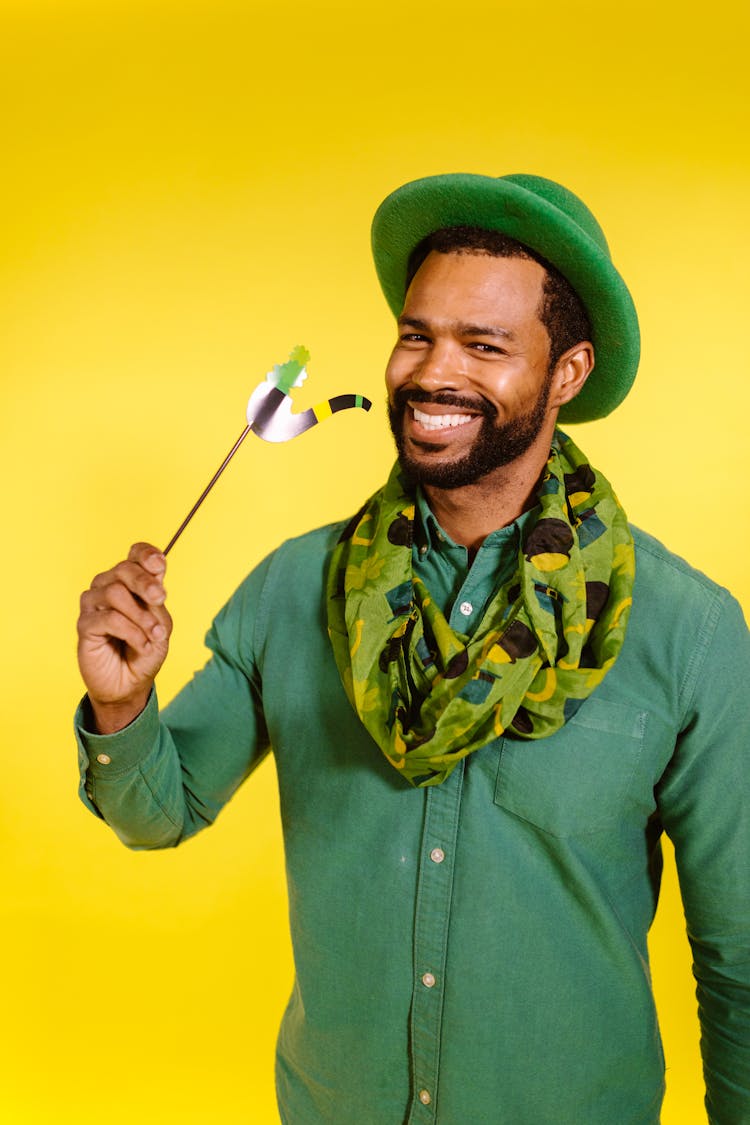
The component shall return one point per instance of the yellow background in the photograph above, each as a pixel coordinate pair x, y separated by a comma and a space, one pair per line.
186, 191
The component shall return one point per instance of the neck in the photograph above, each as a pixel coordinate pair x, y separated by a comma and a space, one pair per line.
471, 513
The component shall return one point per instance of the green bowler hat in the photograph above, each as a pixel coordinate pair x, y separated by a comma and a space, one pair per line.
552, 221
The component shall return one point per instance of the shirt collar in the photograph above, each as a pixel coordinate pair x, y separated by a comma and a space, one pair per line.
430, 536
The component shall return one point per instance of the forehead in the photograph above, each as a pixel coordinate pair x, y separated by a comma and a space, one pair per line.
475, 286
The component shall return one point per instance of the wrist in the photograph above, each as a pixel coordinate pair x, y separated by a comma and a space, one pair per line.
111, 716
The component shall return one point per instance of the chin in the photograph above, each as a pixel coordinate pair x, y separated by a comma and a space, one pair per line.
445, 474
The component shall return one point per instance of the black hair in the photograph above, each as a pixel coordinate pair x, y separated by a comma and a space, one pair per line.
561, 310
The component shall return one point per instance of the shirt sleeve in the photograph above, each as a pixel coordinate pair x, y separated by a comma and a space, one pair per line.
164, 777
704, 799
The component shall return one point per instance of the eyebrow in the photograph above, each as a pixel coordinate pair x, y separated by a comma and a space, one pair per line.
460, 328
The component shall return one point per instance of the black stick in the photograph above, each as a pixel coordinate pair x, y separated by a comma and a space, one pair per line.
206, 491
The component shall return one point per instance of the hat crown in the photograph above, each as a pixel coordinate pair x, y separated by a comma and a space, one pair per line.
565, 201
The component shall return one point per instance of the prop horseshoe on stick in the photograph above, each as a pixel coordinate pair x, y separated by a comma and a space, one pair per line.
269, 416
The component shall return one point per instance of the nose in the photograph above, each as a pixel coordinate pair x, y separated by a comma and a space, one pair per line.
440, 369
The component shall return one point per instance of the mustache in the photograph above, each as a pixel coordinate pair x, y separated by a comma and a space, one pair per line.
402, 396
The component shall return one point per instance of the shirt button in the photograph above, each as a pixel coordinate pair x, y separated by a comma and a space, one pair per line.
103, 759
425, 1097
437, 855
423, 549
466, 608
428, 980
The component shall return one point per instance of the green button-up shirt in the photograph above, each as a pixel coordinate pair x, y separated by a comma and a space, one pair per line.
474, 951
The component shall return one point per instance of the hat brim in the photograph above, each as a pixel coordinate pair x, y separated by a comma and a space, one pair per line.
503, 204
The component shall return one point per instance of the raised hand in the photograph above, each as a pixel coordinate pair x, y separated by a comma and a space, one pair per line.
123, 636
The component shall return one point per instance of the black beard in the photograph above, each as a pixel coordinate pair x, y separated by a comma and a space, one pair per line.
495, 445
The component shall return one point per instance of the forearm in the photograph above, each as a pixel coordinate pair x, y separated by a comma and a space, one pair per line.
163, 778
705, 806
724, 1010
132, 778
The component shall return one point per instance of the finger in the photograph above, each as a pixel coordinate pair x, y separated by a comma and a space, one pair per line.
164, 620
112, 625
142, 583
117, 596
149, 557
155, 621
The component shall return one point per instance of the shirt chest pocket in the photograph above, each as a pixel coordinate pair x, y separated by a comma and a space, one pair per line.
579, 779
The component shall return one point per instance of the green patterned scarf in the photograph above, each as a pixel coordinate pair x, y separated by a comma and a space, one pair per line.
429, 695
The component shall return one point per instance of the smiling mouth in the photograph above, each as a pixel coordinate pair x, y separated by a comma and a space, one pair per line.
441, 421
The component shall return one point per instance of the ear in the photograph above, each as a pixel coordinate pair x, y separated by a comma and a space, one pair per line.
571, 372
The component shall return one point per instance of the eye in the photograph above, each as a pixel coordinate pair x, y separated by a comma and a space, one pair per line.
486, 349
413, 338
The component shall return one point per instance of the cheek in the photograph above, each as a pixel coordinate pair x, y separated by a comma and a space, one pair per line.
396, 372
508, 390
516, 390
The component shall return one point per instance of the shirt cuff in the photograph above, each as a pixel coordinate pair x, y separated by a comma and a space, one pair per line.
105, 755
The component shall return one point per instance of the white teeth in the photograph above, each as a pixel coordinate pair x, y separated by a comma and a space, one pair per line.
440, 421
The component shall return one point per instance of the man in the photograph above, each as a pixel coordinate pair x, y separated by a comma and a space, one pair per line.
535, 692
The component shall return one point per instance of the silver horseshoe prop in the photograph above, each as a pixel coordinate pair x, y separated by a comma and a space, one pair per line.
270, 417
